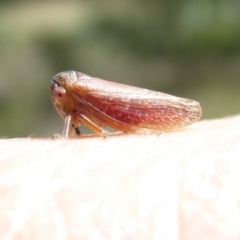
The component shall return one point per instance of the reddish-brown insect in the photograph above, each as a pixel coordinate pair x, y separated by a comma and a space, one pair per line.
96, 103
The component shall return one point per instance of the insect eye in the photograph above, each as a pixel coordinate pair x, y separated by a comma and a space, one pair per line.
58, 93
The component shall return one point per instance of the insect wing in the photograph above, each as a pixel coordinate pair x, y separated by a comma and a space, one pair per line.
120, 106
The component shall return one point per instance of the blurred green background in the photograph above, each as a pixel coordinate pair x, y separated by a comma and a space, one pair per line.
185, 48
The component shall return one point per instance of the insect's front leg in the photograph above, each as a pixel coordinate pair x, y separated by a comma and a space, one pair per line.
67, 129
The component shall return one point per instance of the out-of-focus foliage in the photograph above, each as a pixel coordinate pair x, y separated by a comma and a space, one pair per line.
185, 48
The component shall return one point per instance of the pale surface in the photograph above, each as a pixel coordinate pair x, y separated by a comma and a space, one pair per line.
179, 185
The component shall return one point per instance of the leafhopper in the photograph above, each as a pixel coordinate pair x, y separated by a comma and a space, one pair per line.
83, 100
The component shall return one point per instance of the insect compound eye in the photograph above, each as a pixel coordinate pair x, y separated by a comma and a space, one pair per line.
58, 93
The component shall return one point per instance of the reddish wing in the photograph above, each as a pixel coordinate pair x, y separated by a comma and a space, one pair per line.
124, 107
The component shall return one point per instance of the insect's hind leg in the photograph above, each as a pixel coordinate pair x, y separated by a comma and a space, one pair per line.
93, 126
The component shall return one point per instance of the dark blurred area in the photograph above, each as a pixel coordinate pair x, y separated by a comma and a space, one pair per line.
185, 48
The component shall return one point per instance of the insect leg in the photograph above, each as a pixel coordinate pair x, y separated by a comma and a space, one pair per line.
77, 131
94, 127
67, 129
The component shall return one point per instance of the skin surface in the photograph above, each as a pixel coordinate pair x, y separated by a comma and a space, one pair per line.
183, 184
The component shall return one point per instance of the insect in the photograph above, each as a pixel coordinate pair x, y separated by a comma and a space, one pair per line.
83, 100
